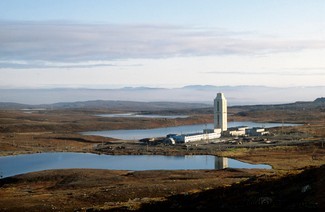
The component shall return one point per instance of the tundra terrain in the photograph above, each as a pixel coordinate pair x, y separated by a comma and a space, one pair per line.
297, 155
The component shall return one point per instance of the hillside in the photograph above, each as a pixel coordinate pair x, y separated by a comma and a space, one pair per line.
154, 106
108, 104
292, 192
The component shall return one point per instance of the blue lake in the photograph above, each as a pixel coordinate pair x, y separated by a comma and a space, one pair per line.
161, 132
20, 164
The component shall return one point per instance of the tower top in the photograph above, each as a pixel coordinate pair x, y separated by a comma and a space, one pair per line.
220, 96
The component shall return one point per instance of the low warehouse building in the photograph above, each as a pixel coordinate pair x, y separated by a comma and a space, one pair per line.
208, 134
237, 131
257, 131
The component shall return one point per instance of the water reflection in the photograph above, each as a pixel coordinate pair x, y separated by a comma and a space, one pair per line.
220, 163
13, 165
135, 115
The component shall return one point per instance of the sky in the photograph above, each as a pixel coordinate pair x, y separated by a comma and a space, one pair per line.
161, 43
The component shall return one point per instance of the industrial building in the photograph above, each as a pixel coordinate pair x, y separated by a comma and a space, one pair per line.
244, 130
257, 131
237, 131
220, 125
207, 134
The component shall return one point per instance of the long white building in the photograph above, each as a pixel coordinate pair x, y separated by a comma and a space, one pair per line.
207, 134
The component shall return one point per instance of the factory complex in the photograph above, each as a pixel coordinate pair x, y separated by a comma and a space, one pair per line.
220, 127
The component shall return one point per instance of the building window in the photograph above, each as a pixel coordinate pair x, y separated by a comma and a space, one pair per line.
218, 107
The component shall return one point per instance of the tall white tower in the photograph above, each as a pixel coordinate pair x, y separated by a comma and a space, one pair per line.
220, 112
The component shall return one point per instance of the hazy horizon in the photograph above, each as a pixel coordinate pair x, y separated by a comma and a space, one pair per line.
109, 87
236, 95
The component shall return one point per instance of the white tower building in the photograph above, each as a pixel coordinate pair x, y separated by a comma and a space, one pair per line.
220, 112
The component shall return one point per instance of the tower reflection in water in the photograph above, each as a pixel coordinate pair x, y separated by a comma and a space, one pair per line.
220, 162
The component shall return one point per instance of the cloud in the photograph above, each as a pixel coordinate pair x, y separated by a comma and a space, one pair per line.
44, 64
287, 72
24, 64
59, 42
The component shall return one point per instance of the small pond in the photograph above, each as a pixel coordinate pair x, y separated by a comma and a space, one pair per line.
20, 164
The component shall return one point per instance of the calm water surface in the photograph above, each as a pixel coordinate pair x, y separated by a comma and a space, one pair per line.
135, 115
20, 164
161, 132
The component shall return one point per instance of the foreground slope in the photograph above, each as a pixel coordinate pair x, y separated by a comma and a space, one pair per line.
302, 191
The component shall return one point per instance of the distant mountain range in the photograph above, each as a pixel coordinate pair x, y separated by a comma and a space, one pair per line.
107, 104
203, 94
150, 106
